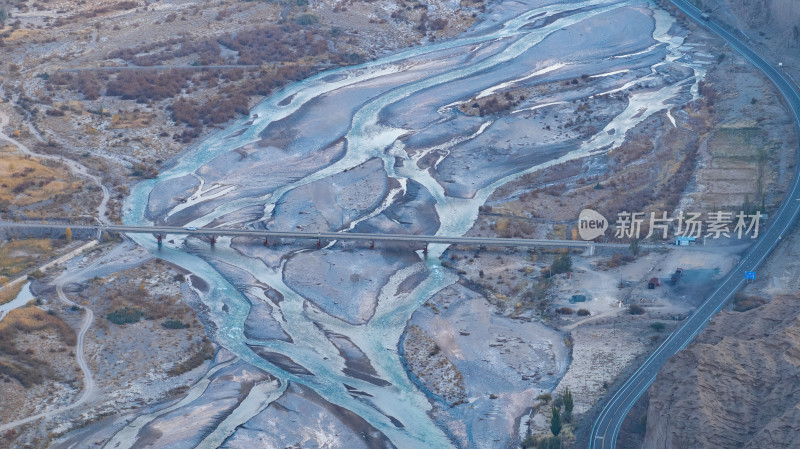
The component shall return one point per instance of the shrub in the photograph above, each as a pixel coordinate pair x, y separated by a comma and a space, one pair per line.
634, 309
564, 311
351, 58
528, 442
174, 324
306, 19
584, 312
658, 327
147, 85
562, 264
542, 442
125, 315
617, 260
743, 303
438, 24
204, 353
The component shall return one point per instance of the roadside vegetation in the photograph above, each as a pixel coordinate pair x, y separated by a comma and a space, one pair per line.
743, 302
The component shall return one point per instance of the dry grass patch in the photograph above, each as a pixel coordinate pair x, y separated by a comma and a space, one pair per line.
18, 255
9, 292
123, 120
21, 35
24, 365
25, 181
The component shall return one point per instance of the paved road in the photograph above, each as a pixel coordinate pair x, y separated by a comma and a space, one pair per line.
606, 428
165, 230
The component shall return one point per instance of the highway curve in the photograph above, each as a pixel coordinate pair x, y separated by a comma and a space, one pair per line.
606, 427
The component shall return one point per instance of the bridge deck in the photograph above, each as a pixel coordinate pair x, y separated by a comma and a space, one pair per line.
262, 233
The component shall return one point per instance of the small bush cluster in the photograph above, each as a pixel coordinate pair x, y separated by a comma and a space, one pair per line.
174, 324
148, 85
634, 309
125, 315
743, 302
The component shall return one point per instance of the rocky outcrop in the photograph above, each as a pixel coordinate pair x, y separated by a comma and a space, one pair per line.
737, 386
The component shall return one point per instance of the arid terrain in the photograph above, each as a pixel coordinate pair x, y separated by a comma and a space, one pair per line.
739, 369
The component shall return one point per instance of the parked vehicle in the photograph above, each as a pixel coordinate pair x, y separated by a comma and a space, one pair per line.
676, 276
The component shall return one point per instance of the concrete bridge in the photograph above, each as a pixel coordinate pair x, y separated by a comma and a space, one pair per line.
161, 232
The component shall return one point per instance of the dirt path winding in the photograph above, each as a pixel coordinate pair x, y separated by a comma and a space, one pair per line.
88, 381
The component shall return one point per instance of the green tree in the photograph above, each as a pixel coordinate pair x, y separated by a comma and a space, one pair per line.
568, 405
634, 247
748, 207
555, 421
561, 265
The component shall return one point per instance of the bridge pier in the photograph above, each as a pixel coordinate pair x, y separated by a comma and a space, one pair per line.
159, 238
372, 244
589, 250
319, 243
265, 241
213, 240
425, 249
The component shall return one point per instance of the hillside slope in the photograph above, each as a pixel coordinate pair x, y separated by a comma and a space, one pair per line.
736, 387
